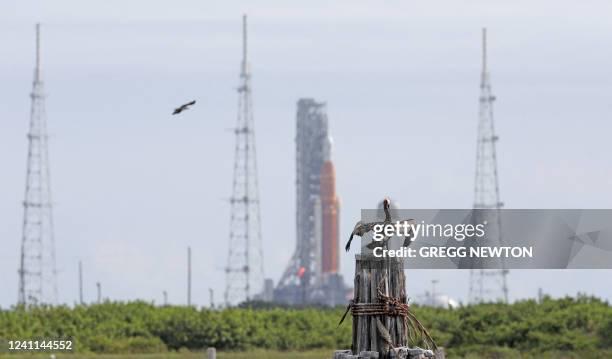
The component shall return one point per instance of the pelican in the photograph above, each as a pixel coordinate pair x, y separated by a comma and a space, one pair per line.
407, 239
362, 228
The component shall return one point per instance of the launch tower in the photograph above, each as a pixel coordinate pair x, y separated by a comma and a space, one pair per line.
312, 274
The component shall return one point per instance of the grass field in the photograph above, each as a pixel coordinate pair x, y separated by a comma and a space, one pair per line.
256, 354
314, 354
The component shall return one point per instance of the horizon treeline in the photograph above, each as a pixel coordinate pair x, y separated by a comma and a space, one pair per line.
581, 324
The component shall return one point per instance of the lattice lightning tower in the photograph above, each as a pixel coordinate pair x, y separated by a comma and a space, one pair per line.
244, 271
37, 271
487, 284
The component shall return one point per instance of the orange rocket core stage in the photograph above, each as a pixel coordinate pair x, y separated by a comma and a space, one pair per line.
330, 208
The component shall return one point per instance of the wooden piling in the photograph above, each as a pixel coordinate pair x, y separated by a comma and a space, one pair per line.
382, 319
378, 333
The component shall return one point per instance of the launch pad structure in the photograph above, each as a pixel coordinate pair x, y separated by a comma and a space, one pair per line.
312, 275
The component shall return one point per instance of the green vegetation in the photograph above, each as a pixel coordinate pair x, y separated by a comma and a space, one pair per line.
573, 326
139, 327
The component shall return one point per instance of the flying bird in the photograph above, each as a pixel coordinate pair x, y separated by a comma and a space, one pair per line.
183, 107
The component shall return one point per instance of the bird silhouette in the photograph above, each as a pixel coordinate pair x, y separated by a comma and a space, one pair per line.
183, 107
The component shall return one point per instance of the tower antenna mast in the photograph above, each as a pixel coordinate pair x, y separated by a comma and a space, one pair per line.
37, 269
244, 271
489, 284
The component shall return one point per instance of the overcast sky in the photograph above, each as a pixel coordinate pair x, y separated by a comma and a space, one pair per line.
134, 186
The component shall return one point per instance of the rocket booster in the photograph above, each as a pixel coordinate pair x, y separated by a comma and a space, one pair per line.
330, 212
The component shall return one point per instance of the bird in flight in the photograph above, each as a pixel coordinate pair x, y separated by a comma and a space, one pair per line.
183, 107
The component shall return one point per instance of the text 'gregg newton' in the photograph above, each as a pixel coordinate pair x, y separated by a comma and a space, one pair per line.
455, 252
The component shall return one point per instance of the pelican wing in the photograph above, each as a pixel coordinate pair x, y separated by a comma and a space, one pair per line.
348, 244
360, 230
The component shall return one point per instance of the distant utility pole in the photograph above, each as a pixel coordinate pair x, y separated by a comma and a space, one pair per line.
165, 298
99, 292
37, 271
212, 297
188, 276
81, 283
540, 295
433, 291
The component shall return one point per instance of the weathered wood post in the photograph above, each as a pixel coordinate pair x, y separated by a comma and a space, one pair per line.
377, 333
211, 353
382, 322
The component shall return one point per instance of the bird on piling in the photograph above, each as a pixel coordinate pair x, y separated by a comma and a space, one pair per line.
387, 209
407, 239
362, 228
183, 107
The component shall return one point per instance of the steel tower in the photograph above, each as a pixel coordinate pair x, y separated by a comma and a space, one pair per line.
244, 271
37, 271
487, 284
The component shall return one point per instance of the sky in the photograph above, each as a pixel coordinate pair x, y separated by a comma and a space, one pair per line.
134, 186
